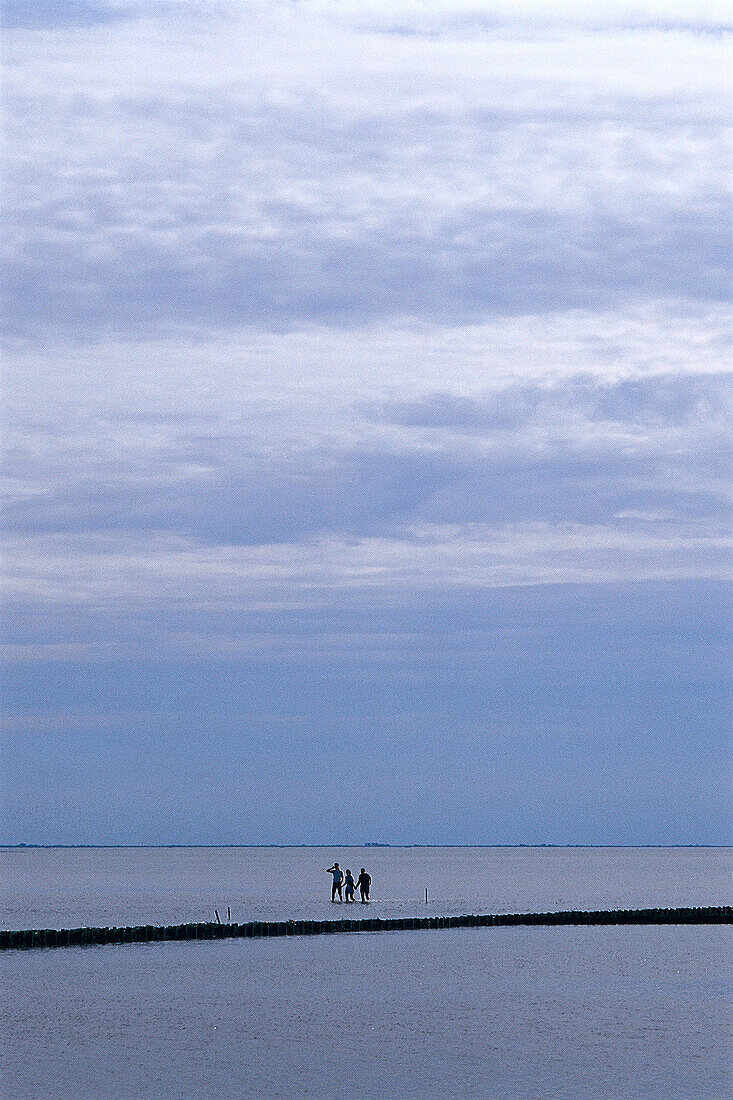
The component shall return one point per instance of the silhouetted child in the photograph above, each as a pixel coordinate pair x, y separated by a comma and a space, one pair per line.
349, 885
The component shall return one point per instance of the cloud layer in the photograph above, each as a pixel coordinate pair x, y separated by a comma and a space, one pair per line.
335, 169
357, 347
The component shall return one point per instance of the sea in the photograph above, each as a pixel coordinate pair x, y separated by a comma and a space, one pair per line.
527, 1013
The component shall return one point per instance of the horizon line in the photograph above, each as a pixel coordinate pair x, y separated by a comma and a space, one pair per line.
368, 844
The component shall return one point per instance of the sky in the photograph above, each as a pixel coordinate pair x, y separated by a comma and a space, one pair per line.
367, 436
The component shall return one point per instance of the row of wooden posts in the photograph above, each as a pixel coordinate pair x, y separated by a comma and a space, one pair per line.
82, 937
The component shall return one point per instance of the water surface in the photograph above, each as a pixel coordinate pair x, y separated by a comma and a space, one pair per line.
62, 887
617, 1013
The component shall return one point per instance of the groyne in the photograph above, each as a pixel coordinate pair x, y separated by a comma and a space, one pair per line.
28, 938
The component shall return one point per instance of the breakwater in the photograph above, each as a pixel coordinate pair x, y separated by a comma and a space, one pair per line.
27, 938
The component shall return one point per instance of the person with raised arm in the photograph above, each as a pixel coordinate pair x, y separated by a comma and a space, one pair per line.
338, 878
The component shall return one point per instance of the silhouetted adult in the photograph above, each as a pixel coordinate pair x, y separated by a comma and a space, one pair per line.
349, 885
338, 878
364, 881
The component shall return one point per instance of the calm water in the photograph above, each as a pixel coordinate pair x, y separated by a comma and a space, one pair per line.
464, 1013
60, 888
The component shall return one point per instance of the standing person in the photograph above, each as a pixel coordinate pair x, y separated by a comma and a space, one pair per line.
338, 878
349, 885
364, 881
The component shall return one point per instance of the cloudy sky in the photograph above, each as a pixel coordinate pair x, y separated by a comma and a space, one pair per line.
367, 422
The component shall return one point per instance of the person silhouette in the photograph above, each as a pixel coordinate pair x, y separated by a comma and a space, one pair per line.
349, 885
364, 881
338, 878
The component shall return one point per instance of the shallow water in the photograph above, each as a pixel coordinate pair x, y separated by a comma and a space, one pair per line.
62, 887
520, 1013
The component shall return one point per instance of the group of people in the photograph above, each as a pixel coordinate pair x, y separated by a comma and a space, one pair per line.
343, 883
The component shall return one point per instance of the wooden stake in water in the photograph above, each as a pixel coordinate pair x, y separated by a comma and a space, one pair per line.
229, 913
426, 895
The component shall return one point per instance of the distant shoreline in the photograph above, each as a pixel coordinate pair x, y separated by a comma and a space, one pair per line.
338, 844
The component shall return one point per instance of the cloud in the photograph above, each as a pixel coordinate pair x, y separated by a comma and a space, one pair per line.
661, 400
309, 235
529, 16
581, 450
287, 464
38, 14
307, 178
67, 15
585, 481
